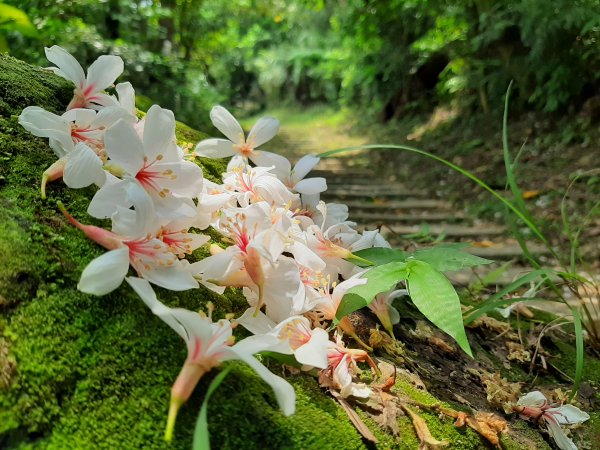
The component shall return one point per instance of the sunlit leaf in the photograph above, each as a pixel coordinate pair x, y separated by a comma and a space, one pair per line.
379, 256
435, 297
12, 18
449, 259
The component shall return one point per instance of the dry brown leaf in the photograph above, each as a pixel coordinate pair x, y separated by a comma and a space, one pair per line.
485, 244
489, 426
354, 418
516, 352
428, 442
528, 195
424, 332
500, 393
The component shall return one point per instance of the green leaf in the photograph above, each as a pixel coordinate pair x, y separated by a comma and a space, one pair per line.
379, 279
12, 18
380, 255
201, 438
447, 259
435, 297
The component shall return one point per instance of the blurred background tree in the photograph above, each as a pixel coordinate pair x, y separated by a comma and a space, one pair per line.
389, 58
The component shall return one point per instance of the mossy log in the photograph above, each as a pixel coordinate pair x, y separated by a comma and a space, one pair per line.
84, 372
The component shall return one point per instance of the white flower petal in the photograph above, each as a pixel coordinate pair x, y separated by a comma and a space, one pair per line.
263, 131
42, 123
226, 124
255, 323
108, 116
103, 72
67, 64
311, 186
126, 95
534, 399
108, 198
267, 159
159, 131
314, 352
303, 166
559, 436
82, 116
214, 148
124, 147
176, 278
284, 392
83, 168
186, 178
105, 273
569, 414
138, 221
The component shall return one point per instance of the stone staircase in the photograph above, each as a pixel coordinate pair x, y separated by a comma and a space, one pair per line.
406, 217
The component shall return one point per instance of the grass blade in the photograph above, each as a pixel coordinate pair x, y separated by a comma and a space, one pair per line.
201, 438
578, 351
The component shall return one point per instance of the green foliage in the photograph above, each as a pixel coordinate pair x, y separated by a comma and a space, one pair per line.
435, 297
429, 289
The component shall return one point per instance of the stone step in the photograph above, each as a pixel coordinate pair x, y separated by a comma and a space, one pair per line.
403, 204
342, 172
449, 230
406, 218
367, 192
506, 251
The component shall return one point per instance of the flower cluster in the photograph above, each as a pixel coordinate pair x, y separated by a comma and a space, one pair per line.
287, 250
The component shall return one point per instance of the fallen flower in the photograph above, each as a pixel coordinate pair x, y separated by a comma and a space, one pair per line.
209, 344
101, 74
535, 406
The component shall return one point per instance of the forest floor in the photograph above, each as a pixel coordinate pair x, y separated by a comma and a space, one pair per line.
416, 202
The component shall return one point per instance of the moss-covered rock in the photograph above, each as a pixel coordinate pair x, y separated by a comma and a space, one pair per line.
83, 372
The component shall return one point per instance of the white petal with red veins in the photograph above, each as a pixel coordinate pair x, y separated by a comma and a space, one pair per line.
314, 352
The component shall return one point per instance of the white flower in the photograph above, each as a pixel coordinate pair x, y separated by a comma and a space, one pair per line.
101, 74
209, 344
151, 257
257, 184
66, 133
535, 406
342, 367
237, 144
294, 336
295, 179
154, 162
